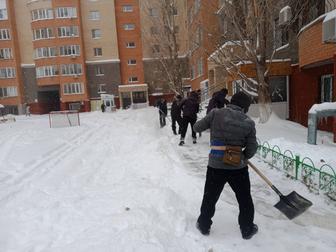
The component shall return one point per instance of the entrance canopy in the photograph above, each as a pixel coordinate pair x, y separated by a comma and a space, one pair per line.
133, 95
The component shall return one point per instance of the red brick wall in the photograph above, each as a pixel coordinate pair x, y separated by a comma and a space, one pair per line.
304, 91
311, 47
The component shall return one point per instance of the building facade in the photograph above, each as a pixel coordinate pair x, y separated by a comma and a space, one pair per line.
62, 55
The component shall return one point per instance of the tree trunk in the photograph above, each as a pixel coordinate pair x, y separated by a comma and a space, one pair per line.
264, 99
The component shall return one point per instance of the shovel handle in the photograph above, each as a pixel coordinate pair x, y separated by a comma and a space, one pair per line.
260, 174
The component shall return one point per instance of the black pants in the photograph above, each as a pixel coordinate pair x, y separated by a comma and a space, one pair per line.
239, 181
185, 122
162, 119
178, 121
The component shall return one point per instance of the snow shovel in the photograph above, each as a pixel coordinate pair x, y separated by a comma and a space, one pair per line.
291, 205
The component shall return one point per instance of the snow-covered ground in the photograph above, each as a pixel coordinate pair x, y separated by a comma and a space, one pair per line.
121, 183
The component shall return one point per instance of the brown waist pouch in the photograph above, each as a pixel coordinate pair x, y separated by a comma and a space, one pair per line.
232, 154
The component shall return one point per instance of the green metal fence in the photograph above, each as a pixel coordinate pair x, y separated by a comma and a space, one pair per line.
318, 180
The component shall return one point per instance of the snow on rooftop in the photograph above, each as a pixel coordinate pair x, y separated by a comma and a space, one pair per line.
330, 15
322, 107
285, 8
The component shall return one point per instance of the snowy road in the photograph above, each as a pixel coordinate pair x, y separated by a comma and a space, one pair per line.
120, 183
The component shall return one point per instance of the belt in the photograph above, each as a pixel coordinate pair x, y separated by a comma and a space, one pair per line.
223, 148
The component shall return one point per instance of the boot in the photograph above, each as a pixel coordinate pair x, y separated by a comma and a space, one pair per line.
248, 232
203, 230
194, 140
174, 131
181, 142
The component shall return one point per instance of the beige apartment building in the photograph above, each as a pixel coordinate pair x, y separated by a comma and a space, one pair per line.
63, 54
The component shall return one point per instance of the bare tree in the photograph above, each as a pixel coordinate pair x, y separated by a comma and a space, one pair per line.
163, 40
252, 40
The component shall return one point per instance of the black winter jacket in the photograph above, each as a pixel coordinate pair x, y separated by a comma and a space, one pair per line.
190, 107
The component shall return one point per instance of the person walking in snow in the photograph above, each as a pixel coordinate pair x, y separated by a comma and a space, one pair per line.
162, 106
190, 108
218, 100
103, 107
233, 142
27, 110
176, 114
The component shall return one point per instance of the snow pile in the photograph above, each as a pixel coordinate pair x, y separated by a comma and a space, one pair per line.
120, 183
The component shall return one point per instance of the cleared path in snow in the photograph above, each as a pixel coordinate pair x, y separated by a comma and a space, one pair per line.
120, 183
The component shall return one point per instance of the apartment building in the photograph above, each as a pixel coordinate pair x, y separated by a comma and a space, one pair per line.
204, 33
62, 55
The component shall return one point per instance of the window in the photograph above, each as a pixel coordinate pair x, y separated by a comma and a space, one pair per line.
8, 92
127, 8
73, 88
193, 74
200, 66
4, 34
154, 30
96, 33
71, 69
94, 15
281, 36
129, 27
7, 72
153, 12
46, 71
101, 88
156, 48
6, 53
69, 50
326, 88
130, 44
42, 14
99, 70
68, 31
44, 33
3, 14
131, 62
139, 97
66, 12
98, 51
197, 6
133, 79
45, 52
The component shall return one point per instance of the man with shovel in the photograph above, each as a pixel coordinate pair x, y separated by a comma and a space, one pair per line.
233, 142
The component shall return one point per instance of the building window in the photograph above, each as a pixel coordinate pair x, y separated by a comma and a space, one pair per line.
44, 33
193, 74
4, 34
46, 71
200, 66
68, 31
98, 51
133, 79
6, 53
127, 8
8, 92
71, 69
45, 52
7, 72
101, 88
131, 62
42, 14
73, 88
139, 97
130, 45
154, 30
99, 71
94, 15
153, 12
129, 27
96, 33
3, 14
326, 88
66, 12
69, 50
156, 48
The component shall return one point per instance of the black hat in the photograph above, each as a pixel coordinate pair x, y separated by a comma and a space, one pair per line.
242, 100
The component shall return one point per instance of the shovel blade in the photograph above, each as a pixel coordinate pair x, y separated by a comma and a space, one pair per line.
293, 205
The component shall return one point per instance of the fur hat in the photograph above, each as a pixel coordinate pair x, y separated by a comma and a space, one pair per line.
242, 100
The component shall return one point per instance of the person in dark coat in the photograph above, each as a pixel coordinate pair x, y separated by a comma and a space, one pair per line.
218, 100
162, 106
103, 107
176, 114
229, 126
190, 108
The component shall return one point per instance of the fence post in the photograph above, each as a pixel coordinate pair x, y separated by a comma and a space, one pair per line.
297, 165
